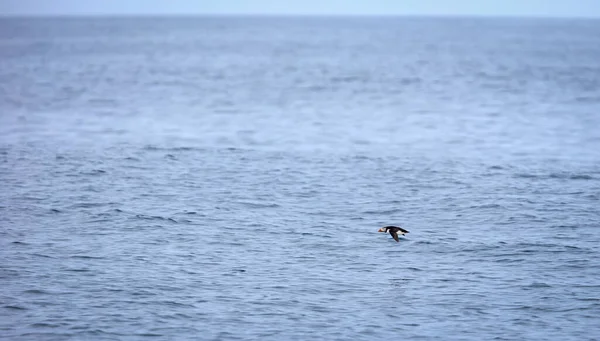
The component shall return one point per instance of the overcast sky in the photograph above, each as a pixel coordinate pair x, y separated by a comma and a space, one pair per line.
553, 8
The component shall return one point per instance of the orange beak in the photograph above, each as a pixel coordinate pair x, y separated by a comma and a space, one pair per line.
381, 230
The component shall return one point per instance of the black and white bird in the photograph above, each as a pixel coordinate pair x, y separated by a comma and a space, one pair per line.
393, 231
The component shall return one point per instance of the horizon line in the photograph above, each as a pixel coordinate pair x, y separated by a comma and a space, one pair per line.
288, 15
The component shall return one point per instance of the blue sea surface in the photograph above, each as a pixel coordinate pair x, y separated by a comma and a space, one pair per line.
224, 178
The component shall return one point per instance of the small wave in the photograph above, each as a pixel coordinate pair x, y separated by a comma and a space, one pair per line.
94, 172
184, 149
347, 79
488, 206
508, 260
544, 245
539, 285
36, 292
322, 213
95, 221
581, 177
588, 299
357, 157
384, 212
587, 286
570, 176
154, 217
258, 205
40, 255
561, 176
526, 176
77, 270
44, 325
85, 257
14, 307
89, 204
32, 198
174, 303
172, 149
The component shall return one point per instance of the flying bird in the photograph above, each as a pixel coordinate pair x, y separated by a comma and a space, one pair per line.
393, 231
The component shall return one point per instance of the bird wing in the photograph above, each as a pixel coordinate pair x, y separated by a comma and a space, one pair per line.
396, 227
394, 235
403, 230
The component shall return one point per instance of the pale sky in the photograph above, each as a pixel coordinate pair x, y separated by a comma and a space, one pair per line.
552, 8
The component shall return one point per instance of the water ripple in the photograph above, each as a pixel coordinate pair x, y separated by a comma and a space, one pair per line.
225, 178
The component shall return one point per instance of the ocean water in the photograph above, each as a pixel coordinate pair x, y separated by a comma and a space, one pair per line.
224, 178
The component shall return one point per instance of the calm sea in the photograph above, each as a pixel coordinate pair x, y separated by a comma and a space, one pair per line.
224, 178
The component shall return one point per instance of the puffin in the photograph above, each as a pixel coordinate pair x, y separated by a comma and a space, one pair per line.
394, 231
